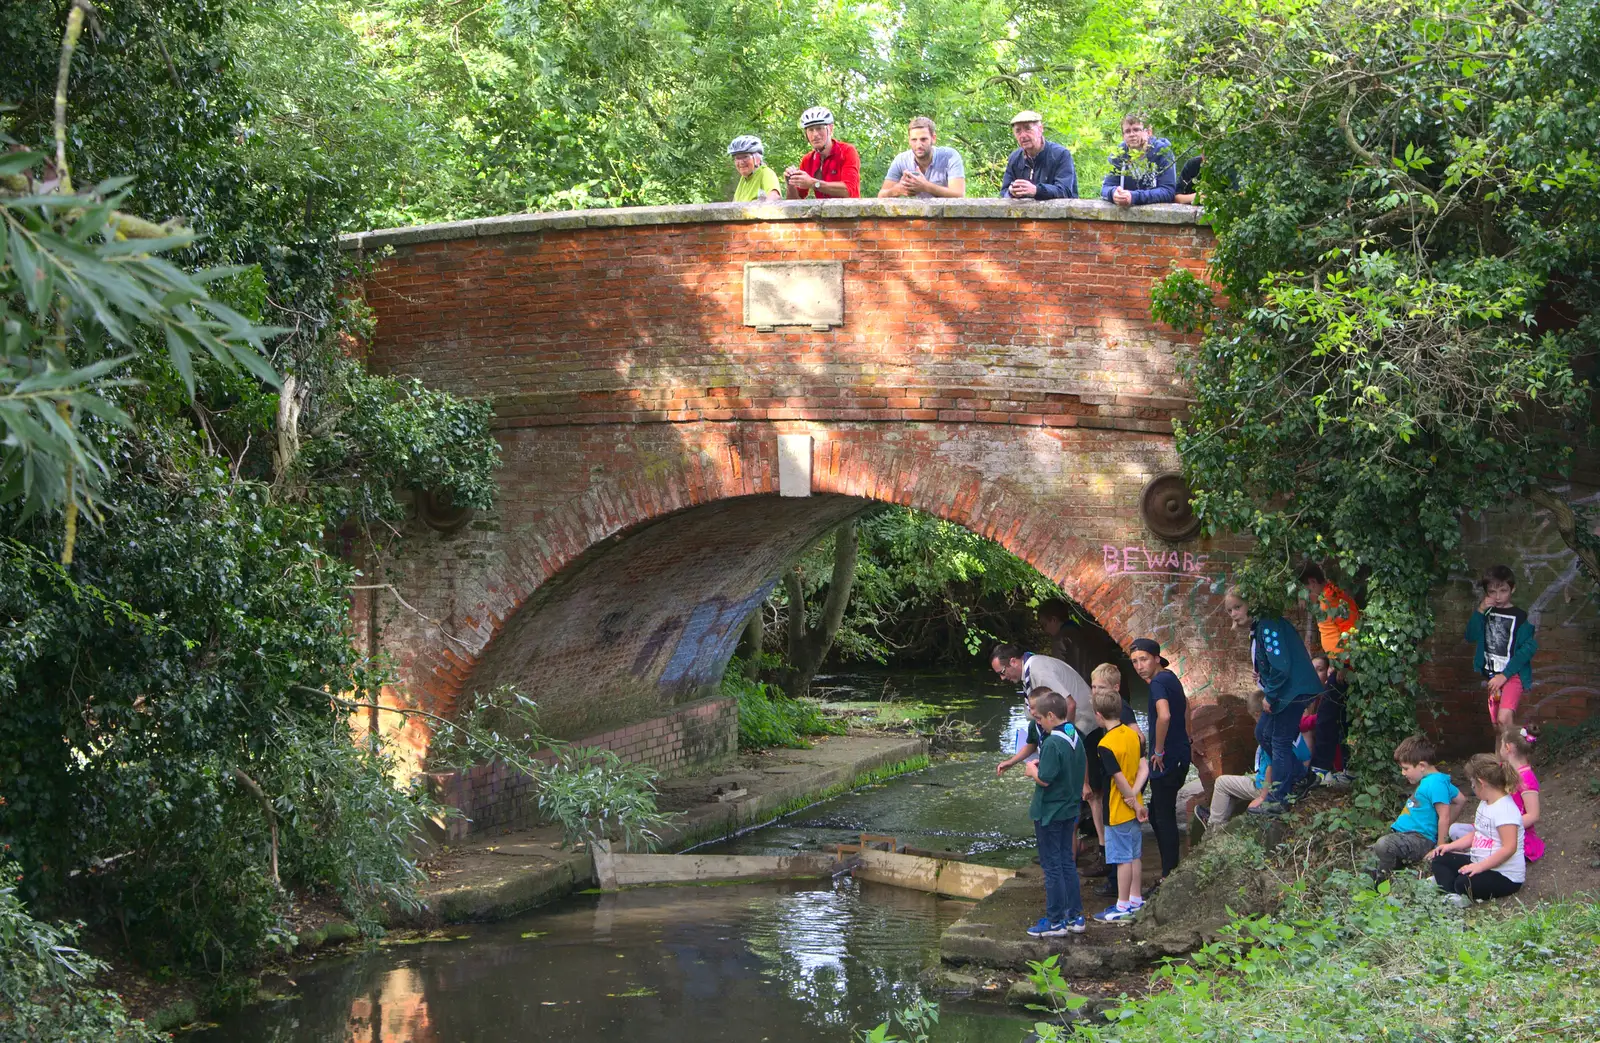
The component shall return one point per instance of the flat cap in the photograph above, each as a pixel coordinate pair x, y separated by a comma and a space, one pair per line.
1027, 116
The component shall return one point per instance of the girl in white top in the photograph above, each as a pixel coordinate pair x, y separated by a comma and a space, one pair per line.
1488, 862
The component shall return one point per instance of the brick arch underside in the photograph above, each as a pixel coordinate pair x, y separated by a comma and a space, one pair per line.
636, 590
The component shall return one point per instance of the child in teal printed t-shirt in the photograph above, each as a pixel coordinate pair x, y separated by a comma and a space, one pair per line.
1427, 815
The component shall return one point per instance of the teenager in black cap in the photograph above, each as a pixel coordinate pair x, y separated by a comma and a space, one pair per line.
1169, 745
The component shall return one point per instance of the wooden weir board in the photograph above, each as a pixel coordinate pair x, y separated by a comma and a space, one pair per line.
936, 875
613, 870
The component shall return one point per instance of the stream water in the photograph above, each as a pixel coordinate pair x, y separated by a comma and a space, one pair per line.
759, 963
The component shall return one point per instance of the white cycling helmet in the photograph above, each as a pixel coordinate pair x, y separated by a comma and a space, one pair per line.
746, 143
816, 116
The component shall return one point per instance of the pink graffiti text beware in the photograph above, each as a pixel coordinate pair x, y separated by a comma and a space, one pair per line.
1143, 561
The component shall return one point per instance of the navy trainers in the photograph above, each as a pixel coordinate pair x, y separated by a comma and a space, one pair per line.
1040, 929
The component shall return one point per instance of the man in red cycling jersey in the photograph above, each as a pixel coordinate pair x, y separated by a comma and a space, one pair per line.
832, 168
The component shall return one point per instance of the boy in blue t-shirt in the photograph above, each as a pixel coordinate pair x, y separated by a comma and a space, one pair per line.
1427, 815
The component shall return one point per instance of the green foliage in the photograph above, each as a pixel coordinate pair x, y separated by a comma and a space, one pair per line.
500, 724
194, 638
376, 434
76, 303
926, 587
46, 988
1059, 1000
768, 718
1357, 963
917, 1022
1407, 241
170, 732
595, 795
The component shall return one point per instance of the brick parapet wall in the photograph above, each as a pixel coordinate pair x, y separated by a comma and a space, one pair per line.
495, 796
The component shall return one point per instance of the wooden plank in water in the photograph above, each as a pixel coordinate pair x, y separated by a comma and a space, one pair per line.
936, 875
615, 871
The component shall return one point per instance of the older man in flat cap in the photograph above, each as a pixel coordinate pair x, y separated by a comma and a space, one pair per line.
1038, 169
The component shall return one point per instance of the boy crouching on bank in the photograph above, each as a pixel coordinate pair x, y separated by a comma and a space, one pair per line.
1057, 794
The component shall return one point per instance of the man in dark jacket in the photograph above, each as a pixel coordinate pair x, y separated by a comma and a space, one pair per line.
1038, 169
1144, 172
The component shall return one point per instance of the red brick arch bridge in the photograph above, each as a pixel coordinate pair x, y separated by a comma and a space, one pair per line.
687, 397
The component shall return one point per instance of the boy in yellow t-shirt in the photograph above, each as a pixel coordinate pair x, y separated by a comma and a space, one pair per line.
757, 182
1121, 754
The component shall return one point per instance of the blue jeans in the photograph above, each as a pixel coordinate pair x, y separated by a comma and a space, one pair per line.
1063, 894
1277, 733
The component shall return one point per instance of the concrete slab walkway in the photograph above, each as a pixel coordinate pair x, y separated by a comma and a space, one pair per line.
500, 874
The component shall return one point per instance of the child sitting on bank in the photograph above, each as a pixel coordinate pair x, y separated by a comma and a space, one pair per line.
1427, 815
1505, 646
1489, 862
1056, 804
1253, 788
1516, 748
1122, 757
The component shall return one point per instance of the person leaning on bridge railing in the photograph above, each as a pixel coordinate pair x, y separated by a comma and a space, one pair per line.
1187, 191
832, 168
1144, 171
757, 181
1038, 169
927, 169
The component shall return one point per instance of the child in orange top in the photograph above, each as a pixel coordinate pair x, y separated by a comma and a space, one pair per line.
1336, 611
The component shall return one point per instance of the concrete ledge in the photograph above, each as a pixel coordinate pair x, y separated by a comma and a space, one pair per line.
798, 210
500, 876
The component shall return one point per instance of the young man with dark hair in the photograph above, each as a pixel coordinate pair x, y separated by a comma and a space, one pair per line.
1169, 746
1187, 190
927, 169
1144, 172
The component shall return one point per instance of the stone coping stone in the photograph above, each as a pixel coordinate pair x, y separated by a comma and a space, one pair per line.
794, 210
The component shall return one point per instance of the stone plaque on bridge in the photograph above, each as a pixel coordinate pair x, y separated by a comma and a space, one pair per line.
794, 293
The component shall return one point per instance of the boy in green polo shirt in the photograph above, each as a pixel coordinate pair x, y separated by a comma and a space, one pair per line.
1058, 790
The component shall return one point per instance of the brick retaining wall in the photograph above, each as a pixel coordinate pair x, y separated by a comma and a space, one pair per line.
494, 796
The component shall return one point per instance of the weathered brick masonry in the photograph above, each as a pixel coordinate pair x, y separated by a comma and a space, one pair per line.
997, 366
491, 796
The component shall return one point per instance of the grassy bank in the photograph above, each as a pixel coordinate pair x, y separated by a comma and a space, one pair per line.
1391, 964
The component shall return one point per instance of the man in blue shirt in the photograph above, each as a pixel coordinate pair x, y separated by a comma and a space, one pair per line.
925, 169
1038, 169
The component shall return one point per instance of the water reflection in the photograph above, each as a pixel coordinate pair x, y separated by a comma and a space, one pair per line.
770, 963
781, 963
395, 1012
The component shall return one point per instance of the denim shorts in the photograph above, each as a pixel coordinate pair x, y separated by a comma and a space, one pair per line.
1124, 842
